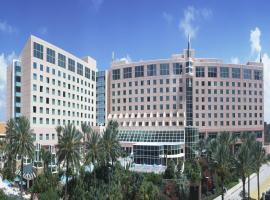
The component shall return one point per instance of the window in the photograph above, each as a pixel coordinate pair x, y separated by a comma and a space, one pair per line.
127, 72
87, 73
177, 68
116, 74
235, 72
38, 50
151, 70
199, 71
50, 56
224, 72
258, 75
79, 69
71, 65
61, 60
93, 75
139, 71
212, 71
247, 74
164, 69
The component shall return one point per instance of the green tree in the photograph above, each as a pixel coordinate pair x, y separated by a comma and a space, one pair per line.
242, 164
221, 157
182, 184
259, 158
69, 149
9, 148
46, 157
23, 142
193, 173
148, 191
109, 144
170, 170
86, 130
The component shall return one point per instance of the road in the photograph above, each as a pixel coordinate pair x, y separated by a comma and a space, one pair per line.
233, 193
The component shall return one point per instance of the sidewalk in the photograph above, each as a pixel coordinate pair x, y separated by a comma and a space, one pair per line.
233, 193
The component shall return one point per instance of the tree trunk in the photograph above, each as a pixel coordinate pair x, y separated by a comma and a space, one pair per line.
222, 190
244, 187
84, 146
66, 181
248, 186
258, 183
21, 177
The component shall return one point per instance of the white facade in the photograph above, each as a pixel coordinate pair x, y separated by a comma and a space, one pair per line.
57, 88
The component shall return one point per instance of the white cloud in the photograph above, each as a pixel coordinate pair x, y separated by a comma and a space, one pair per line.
168, 17
6, 28
255, 45
5, 60
189, 23
235, 60
255, 41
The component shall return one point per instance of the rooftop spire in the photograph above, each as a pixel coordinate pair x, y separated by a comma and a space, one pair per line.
260, 57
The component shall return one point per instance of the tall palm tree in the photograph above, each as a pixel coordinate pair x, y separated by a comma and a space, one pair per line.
9, 149
69, 145
259, 158
221, 157
92, 147
23, 142
86, 130
110, 144
46, 157
243, 163
249, 139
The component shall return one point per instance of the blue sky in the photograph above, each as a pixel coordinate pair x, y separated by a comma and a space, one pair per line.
137, 29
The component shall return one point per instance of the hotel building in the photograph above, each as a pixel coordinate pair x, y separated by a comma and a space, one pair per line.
155, 99
51, 87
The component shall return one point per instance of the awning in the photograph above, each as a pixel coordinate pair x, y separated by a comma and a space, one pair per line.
28, 172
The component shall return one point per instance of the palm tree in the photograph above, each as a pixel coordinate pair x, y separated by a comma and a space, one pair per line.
86, 130
69, 149
9, 149
259, 158
221, 157
46, 157
243, 162
93, 147
23, 142
249, 139
110, 144
182, 187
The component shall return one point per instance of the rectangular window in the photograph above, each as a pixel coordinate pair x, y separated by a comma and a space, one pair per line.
151, 70
212, 71
199, 71
87, 73
164, 69
61, 60
79, 69
50, 56
71, 65
38, 50
116, 74
177, 68
235, 72
247, 74
224, 72
258, 75
93, 75
139, 71
127, 72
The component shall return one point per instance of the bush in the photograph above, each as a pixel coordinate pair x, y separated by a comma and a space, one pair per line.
50, 194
